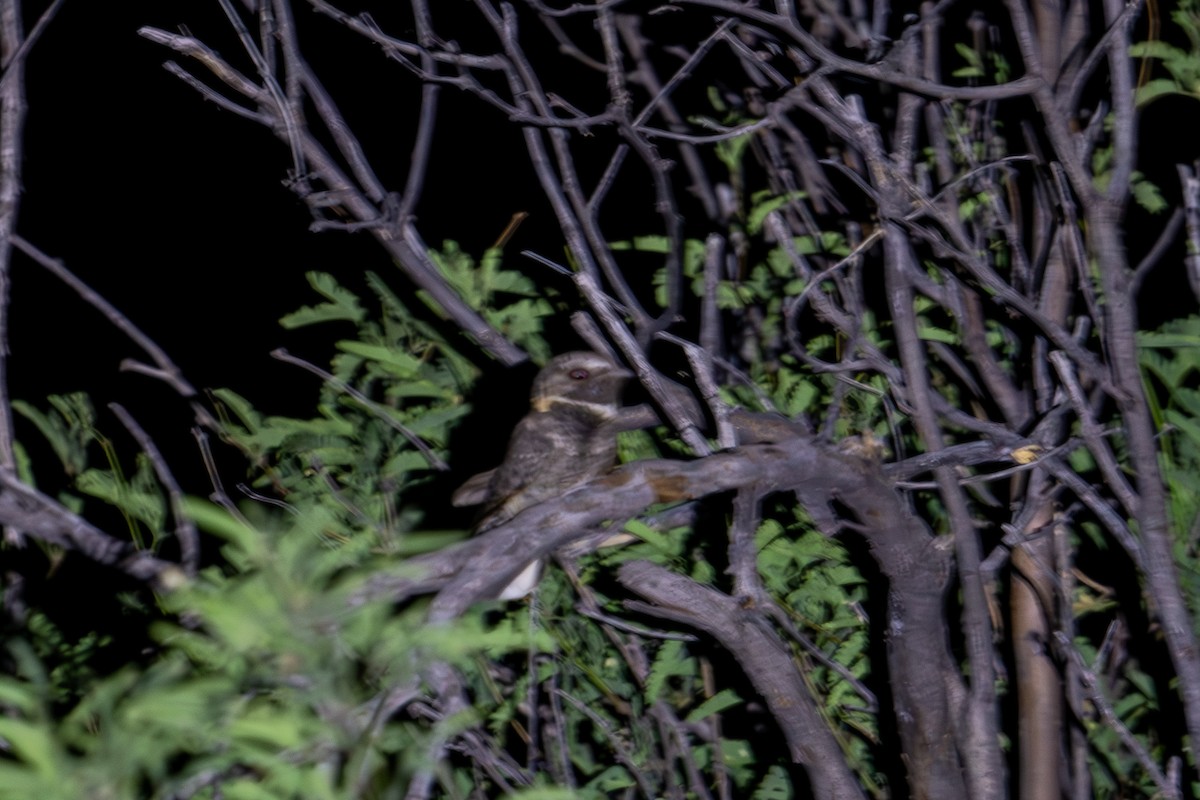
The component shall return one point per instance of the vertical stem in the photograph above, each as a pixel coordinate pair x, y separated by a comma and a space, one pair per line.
12, 123
1162, 580
978, 734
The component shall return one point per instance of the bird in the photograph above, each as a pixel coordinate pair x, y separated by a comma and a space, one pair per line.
563, 442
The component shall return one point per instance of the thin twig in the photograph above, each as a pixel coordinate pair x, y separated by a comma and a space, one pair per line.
382, 412
616, 741
170, 372
602, 305
1093, 435
287, 110
1095, 693
219, 495
185, 529
14, 59
628, 627
1162, 244
401, 240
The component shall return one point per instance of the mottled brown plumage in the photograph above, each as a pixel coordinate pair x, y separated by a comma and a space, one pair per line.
562, 443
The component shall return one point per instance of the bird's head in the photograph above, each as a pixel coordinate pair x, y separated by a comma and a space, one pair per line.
583, 379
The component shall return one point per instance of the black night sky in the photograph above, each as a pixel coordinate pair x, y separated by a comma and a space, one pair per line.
177, 212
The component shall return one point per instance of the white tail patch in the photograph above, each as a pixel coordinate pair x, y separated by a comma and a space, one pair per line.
523, 584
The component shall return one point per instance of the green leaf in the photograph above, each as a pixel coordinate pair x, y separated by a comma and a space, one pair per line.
241, 408
761, 209
264, 725
186, 711
774, 785
612, 780
32, 744
730, 151
69, 430
545, 793
342, 305
1153, 89
247, 789
970, 55
17, 695
726, 698
1155, 49
141, 499
644, 244
671, 661
1171, 340
401, 364
216, 520
652, 537
932, 333
1147, 195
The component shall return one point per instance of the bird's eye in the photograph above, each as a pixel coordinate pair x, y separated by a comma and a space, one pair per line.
579, 374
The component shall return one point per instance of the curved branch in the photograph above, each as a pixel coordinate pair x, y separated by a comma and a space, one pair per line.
747, 635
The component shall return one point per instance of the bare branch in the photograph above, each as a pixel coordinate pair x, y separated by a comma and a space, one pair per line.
765, 660
397, 237
169, 370
1191, 207
185, 529
40, 517
1092, 688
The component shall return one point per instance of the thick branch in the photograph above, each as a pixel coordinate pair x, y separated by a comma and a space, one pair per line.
748, 635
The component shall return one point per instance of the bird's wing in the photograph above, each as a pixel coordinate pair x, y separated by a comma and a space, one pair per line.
474, 491
533, 453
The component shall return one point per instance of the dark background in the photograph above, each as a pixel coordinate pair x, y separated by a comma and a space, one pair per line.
178, 213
